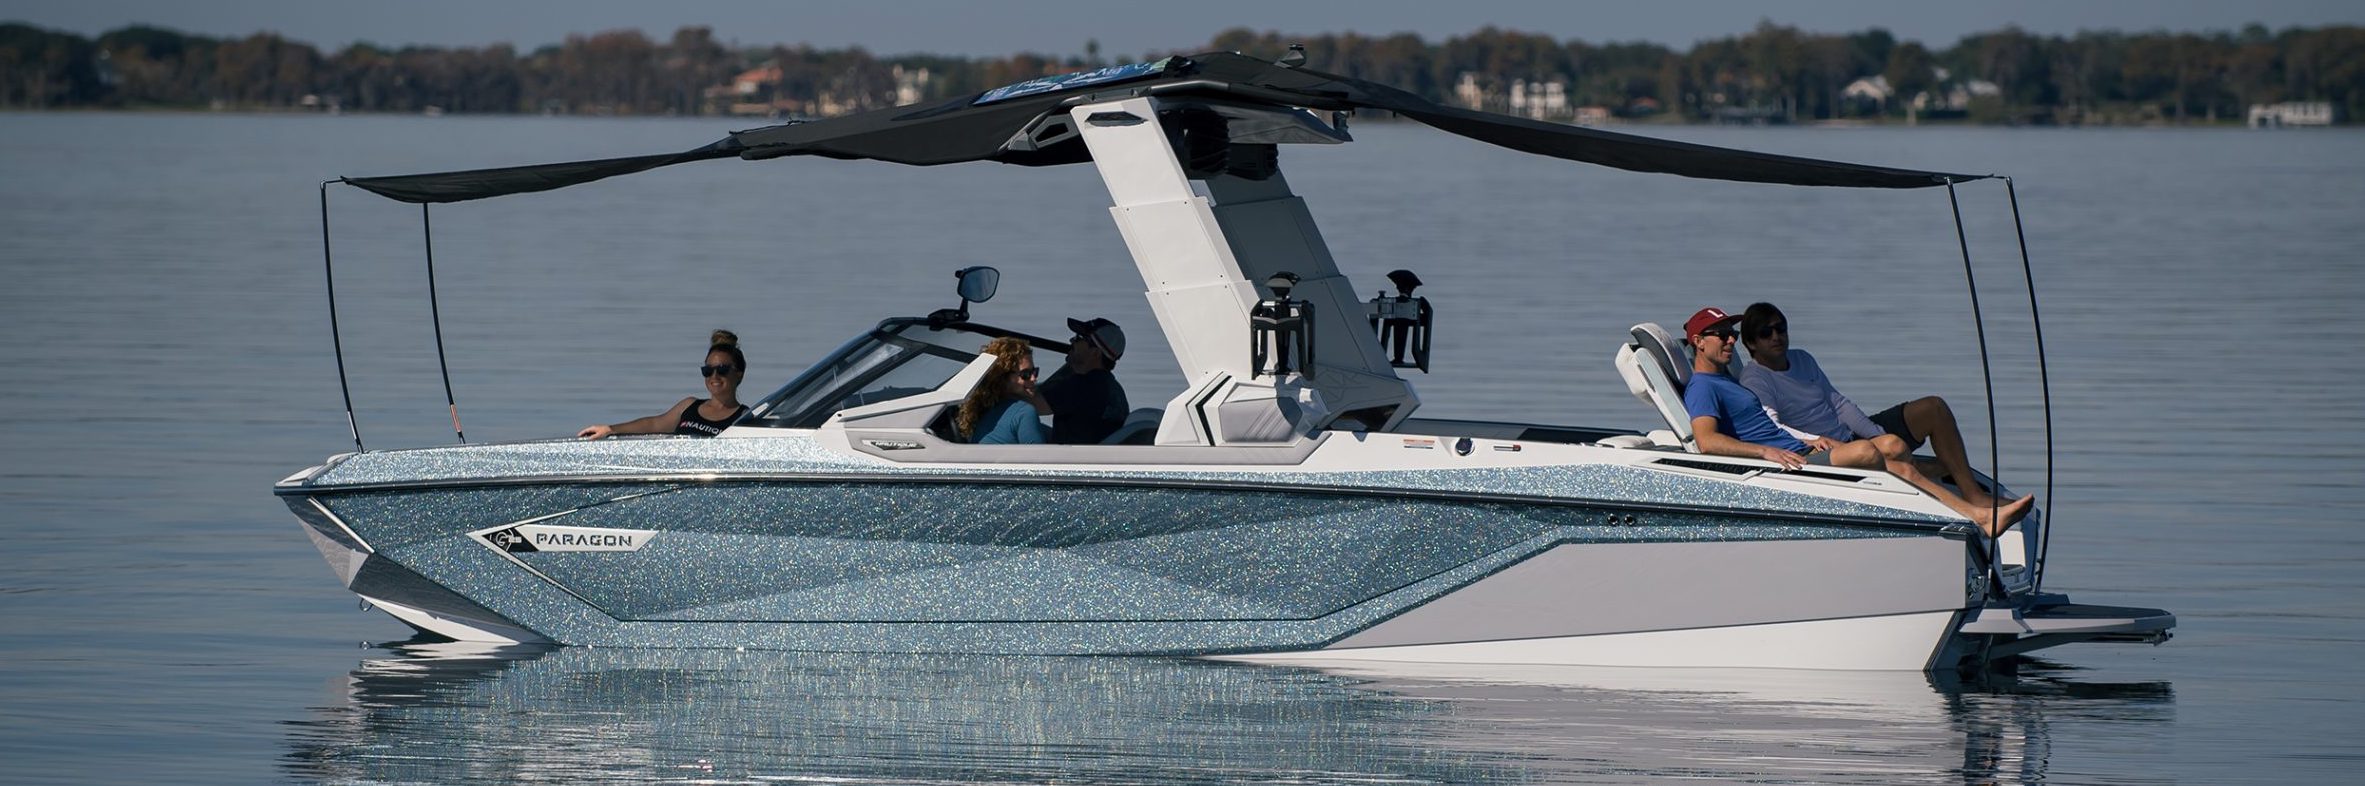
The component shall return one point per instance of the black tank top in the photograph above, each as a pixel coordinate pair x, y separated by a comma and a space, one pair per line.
695, 425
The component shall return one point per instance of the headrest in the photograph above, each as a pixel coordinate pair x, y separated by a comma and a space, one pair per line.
1630, 365
1664, 350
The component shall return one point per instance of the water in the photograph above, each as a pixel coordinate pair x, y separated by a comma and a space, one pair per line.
166, 358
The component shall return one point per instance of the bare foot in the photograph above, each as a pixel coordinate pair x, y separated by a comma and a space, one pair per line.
1994, 521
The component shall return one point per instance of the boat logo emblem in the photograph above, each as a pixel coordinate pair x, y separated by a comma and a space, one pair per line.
510, 540
894, 444
526, 538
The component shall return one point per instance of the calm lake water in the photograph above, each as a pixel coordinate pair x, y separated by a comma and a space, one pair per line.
166, 358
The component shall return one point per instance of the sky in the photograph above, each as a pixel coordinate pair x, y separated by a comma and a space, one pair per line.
1061, 27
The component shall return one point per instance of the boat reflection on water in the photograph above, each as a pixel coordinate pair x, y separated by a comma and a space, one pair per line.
449, 713
1730, 725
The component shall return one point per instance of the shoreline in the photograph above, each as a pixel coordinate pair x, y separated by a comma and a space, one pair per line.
1840, 123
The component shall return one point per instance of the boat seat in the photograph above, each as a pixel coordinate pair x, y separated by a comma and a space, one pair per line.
942, 425
1656, 369
1626, 441
1141, 428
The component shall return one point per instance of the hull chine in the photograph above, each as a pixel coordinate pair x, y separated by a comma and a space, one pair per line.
1901, 642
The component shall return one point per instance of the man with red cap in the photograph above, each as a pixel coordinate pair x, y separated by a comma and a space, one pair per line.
1728, 420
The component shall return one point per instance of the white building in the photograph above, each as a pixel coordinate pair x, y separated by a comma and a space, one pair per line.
1871, 88
2291, 113
1955, 96
910, 86
1539, 100
1468, 93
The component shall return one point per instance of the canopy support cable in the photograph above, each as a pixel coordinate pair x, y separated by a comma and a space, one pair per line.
2044, 383
435, 314
1986, 375
329, 268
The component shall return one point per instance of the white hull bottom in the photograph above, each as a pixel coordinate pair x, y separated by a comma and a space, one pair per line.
1903, 642
455, 628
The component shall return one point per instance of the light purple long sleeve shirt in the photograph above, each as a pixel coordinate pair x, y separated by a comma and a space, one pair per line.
1802, 398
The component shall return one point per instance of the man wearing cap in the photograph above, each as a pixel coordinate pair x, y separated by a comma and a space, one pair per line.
1728, 420
1086, 402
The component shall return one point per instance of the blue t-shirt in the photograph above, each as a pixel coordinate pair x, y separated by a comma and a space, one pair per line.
1737, 411
1012, 423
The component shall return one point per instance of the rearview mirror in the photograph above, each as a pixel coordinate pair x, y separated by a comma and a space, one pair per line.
977, 286
978, 283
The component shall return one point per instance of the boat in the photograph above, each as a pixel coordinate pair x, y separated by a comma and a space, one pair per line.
1289, 504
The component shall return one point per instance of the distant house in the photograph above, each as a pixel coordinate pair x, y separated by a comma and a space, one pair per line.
1948, 96
756, 93
755, 80
1540, 100
1954, 96
1867, 96
1957, 97
1468, 93
1592, 115
1872, 88
911, 86
2291, 113
749, 94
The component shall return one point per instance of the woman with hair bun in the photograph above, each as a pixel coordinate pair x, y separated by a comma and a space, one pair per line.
696, 417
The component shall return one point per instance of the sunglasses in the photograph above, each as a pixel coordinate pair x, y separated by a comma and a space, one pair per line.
1027, 373
1723, 333
716, 371
1769, 330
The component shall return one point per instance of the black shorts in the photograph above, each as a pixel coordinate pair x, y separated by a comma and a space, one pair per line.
1821, 457
1892, 420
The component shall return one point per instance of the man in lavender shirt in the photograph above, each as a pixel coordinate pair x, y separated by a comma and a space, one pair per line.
1794, 387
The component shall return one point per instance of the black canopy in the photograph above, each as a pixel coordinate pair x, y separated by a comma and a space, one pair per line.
977, 128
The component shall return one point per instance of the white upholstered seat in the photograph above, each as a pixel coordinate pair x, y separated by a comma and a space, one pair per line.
1656, 369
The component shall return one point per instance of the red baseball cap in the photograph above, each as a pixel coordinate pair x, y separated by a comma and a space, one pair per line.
1706, 318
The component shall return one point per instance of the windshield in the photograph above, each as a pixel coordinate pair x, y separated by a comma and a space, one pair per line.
901, 357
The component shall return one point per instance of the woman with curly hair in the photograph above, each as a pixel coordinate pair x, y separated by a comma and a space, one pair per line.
1002, 410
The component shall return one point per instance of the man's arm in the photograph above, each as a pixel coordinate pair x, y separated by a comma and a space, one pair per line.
1715, 442
1801, 435
1853, 416
1054, 393
1115, 408
1850, 415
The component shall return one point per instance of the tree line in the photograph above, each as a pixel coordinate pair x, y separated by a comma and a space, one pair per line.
1773, 73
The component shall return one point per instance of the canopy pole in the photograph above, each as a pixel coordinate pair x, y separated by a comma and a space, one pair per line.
329, 268
1986, 370
435, 314
2044, 380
